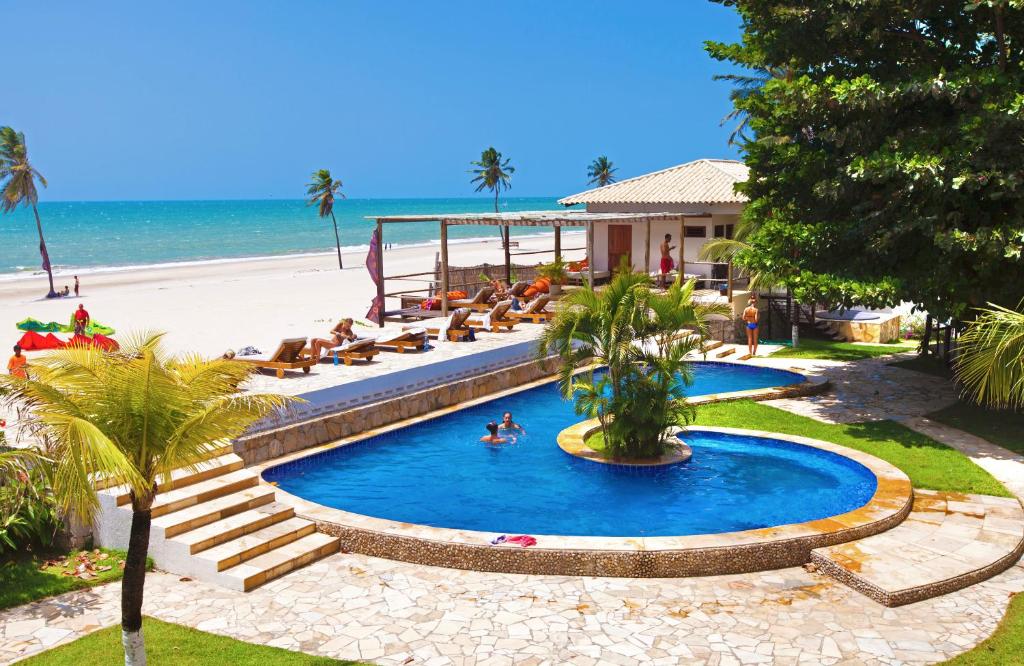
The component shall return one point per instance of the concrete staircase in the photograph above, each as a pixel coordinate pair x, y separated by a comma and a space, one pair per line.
217, 524
947, 542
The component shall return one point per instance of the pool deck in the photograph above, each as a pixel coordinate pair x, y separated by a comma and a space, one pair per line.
359, 607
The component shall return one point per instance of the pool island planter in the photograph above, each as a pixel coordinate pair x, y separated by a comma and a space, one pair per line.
635, 556
573, 440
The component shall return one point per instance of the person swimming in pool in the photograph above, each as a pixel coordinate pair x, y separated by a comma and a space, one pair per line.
751, 315
508, 424
492, 436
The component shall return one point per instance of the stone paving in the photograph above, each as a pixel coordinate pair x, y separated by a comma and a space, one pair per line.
358, 607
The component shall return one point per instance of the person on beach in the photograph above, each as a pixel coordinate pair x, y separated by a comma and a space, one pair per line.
67, 291
666, 260
751, 316
18, 364
81, 319
340, 334
76, 286
500, 291
492, 437
508, 424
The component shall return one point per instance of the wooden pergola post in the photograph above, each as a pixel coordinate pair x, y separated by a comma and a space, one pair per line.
507, 236
647, 247
728, 281
380, 270
682, 246
444, 269
558, 240
590, 253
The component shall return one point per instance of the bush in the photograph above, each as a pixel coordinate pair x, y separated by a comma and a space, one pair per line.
28, 513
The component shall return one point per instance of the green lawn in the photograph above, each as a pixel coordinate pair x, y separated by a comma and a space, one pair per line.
841, 351
1004, 647
1001, 427
173, 644
36, 576
928, 463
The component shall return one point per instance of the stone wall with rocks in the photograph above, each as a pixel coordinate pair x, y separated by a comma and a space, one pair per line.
269, 444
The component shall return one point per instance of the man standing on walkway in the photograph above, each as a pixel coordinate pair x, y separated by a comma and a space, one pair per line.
666, 260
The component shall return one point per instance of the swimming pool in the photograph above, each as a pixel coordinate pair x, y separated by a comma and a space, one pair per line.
437, 473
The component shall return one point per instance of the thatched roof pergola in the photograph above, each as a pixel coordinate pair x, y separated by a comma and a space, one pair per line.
556, 219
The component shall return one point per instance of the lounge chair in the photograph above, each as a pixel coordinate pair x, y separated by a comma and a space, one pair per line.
496, 318
534, 310
361, 348
479, 302
455, 327
518, 288
414, 339
288, 356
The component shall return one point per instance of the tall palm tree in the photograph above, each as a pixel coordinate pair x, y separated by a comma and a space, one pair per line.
494, 173
601, 172
18, 187
132, 417
991, 358
322, 192
746, 86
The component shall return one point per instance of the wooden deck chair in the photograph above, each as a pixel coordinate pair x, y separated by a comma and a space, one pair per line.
534, 311
518, 288
455, 327
496, 319
361, 349
481, 302
414, 339
288, 356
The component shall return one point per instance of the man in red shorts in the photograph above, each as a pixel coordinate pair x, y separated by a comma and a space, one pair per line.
666, 260
81, 318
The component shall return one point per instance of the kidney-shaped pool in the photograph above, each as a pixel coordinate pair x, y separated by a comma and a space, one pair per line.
438, 473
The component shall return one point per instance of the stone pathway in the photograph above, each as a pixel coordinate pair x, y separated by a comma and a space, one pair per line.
358, 607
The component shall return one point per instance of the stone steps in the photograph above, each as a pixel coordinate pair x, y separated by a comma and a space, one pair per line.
218, 524
949, 541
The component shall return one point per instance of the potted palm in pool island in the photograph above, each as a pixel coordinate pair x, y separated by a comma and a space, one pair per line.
622, 352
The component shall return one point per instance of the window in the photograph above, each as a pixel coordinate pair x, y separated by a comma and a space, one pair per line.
697, 232
723, 230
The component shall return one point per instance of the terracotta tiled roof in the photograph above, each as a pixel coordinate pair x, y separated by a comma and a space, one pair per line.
697, 182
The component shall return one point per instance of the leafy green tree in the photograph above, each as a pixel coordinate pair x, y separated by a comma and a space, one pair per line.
493, 173
322, 192
132, 417
887, 165
990, 361
18, 187
601, 172
634, 334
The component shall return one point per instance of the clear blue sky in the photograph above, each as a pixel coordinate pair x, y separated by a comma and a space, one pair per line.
243, 99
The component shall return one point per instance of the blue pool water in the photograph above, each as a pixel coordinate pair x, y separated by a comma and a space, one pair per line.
438, 473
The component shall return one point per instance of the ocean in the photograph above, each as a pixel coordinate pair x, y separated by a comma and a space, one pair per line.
89, 235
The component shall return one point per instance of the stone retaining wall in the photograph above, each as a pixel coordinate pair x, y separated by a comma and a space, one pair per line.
274, 443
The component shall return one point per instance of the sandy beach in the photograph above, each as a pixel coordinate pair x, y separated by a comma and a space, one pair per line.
211, 307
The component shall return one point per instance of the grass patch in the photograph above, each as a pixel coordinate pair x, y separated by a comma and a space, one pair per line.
1002, 427
930, 365
929, 464
37, 576
1005, 646
174, 644
842, 351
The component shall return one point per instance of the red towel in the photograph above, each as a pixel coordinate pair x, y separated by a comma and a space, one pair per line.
524, 540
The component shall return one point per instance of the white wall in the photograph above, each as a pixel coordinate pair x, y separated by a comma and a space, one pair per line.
692, 246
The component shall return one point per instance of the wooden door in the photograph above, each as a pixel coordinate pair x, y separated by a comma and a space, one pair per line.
620, 244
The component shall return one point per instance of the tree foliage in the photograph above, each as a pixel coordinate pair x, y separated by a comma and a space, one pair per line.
322, 192
634, 334
601, 172
888, 164
991, 358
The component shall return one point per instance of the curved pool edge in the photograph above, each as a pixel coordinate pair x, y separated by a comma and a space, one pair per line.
634, 557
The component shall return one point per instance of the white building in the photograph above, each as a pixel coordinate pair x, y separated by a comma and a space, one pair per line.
703, 190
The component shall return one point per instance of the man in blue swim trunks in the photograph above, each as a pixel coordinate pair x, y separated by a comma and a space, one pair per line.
750, 318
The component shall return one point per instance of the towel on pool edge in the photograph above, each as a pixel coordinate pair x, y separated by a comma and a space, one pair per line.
524, 540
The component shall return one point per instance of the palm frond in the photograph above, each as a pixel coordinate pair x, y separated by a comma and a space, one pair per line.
991, 358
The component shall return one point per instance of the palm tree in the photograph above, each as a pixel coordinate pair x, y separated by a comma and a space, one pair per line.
633, 333
493, 173
18, 184
747, 86
132, 417
322, 192
601, 172
991, 358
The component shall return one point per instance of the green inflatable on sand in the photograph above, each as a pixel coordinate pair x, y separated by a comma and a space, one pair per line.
30, 324
94, 327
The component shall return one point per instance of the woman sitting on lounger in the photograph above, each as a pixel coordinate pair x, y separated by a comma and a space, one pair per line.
500, 291
340, 334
